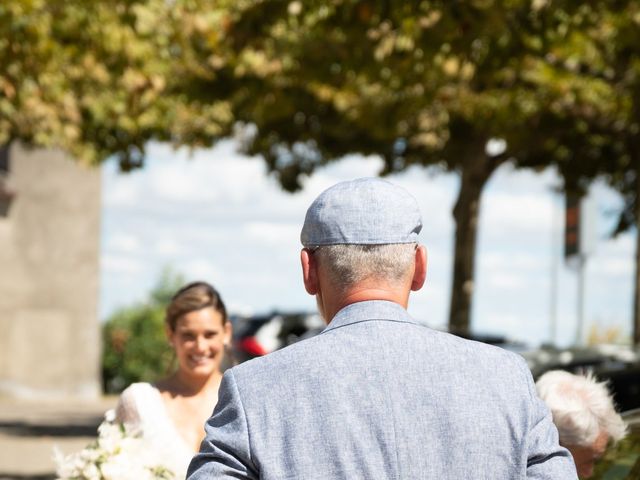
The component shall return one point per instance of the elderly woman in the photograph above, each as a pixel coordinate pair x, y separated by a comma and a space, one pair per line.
584, 413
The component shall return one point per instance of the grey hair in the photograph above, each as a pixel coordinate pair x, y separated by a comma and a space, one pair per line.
581, 407
351, 264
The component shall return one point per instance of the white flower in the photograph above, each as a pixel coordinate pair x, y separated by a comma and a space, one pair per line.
120, 467
110, 416
117, 454
90, 472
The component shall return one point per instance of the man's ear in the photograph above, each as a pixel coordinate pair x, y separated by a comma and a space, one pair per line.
420, 273
309, 271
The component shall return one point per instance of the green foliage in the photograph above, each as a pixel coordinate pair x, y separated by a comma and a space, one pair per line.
98, 78
429, 83
417, 83
621, 461
135, 345
425, 83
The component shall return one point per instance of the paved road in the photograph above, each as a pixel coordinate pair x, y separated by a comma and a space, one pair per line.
29, 431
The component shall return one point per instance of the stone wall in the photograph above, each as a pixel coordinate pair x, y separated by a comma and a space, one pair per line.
49, 273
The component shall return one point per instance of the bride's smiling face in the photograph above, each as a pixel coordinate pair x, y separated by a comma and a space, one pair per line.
199, 339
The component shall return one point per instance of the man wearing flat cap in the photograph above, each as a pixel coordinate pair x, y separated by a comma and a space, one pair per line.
377, 395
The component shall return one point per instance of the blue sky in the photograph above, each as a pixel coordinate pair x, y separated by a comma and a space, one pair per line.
215, 215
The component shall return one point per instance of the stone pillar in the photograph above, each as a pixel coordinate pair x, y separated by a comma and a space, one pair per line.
49, 273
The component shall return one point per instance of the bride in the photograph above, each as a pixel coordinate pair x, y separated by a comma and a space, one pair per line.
171, 413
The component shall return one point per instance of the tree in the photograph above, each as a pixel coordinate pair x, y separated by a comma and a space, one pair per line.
622, 47
418, 83
97, 78
593, 132
422, 83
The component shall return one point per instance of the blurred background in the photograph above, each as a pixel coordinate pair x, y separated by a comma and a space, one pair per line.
147, 143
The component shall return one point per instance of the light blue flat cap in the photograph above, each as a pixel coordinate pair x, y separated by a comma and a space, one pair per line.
365, 211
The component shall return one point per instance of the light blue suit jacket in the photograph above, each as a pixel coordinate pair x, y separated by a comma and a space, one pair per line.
378, 396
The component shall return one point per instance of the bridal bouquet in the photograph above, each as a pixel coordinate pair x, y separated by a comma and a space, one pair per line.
117, 454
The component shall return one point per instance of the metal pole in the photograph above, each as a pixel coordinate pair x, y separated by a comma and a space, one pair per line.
636, 287
582, 263
553, 294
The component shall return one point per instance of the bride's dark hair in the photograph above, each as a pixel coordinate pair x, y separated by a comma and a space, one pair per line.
194, 296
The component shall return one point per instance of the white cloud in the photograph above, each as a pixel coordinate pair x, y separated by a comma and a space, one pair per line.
167, 246
512, 261
509, 212
122, 264
511, 179
200, 268
505, 281
217, 216
614, 267
273, 233
174, 183
350, 167
614, 257
123, 242
500, 322
121, 193
623, 245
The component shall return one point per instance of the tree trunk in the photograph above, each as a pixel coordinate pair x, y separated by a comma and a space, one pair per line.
636, 291
476, 170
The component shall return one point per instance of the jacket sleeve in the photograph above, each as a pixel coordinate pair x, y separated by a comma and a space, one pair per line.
225, 450
546, 459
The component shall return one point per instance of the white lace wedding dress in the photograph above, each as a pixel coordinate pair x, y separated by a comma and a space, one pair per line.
141, 408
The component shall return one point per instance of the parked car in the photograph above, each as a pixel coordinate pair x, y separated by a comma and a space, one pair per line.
258, 335
618, 364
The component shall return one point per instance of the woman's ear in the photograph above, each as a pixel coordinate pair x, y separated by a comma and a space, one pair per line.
420, 272
170, 334
309, 271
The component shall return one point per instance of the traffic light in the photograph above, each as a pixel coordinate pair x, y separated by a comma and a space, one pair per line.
572, 226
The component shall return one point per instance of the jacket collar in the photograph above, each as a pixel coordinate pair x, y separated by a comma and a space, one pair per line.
369, 310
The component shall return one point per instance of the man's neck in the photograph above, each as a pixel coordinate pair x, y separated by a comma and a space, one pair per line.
362, 292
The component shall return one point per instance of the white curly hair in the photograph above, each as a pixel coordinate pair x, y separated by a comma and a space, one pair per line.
581, 407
